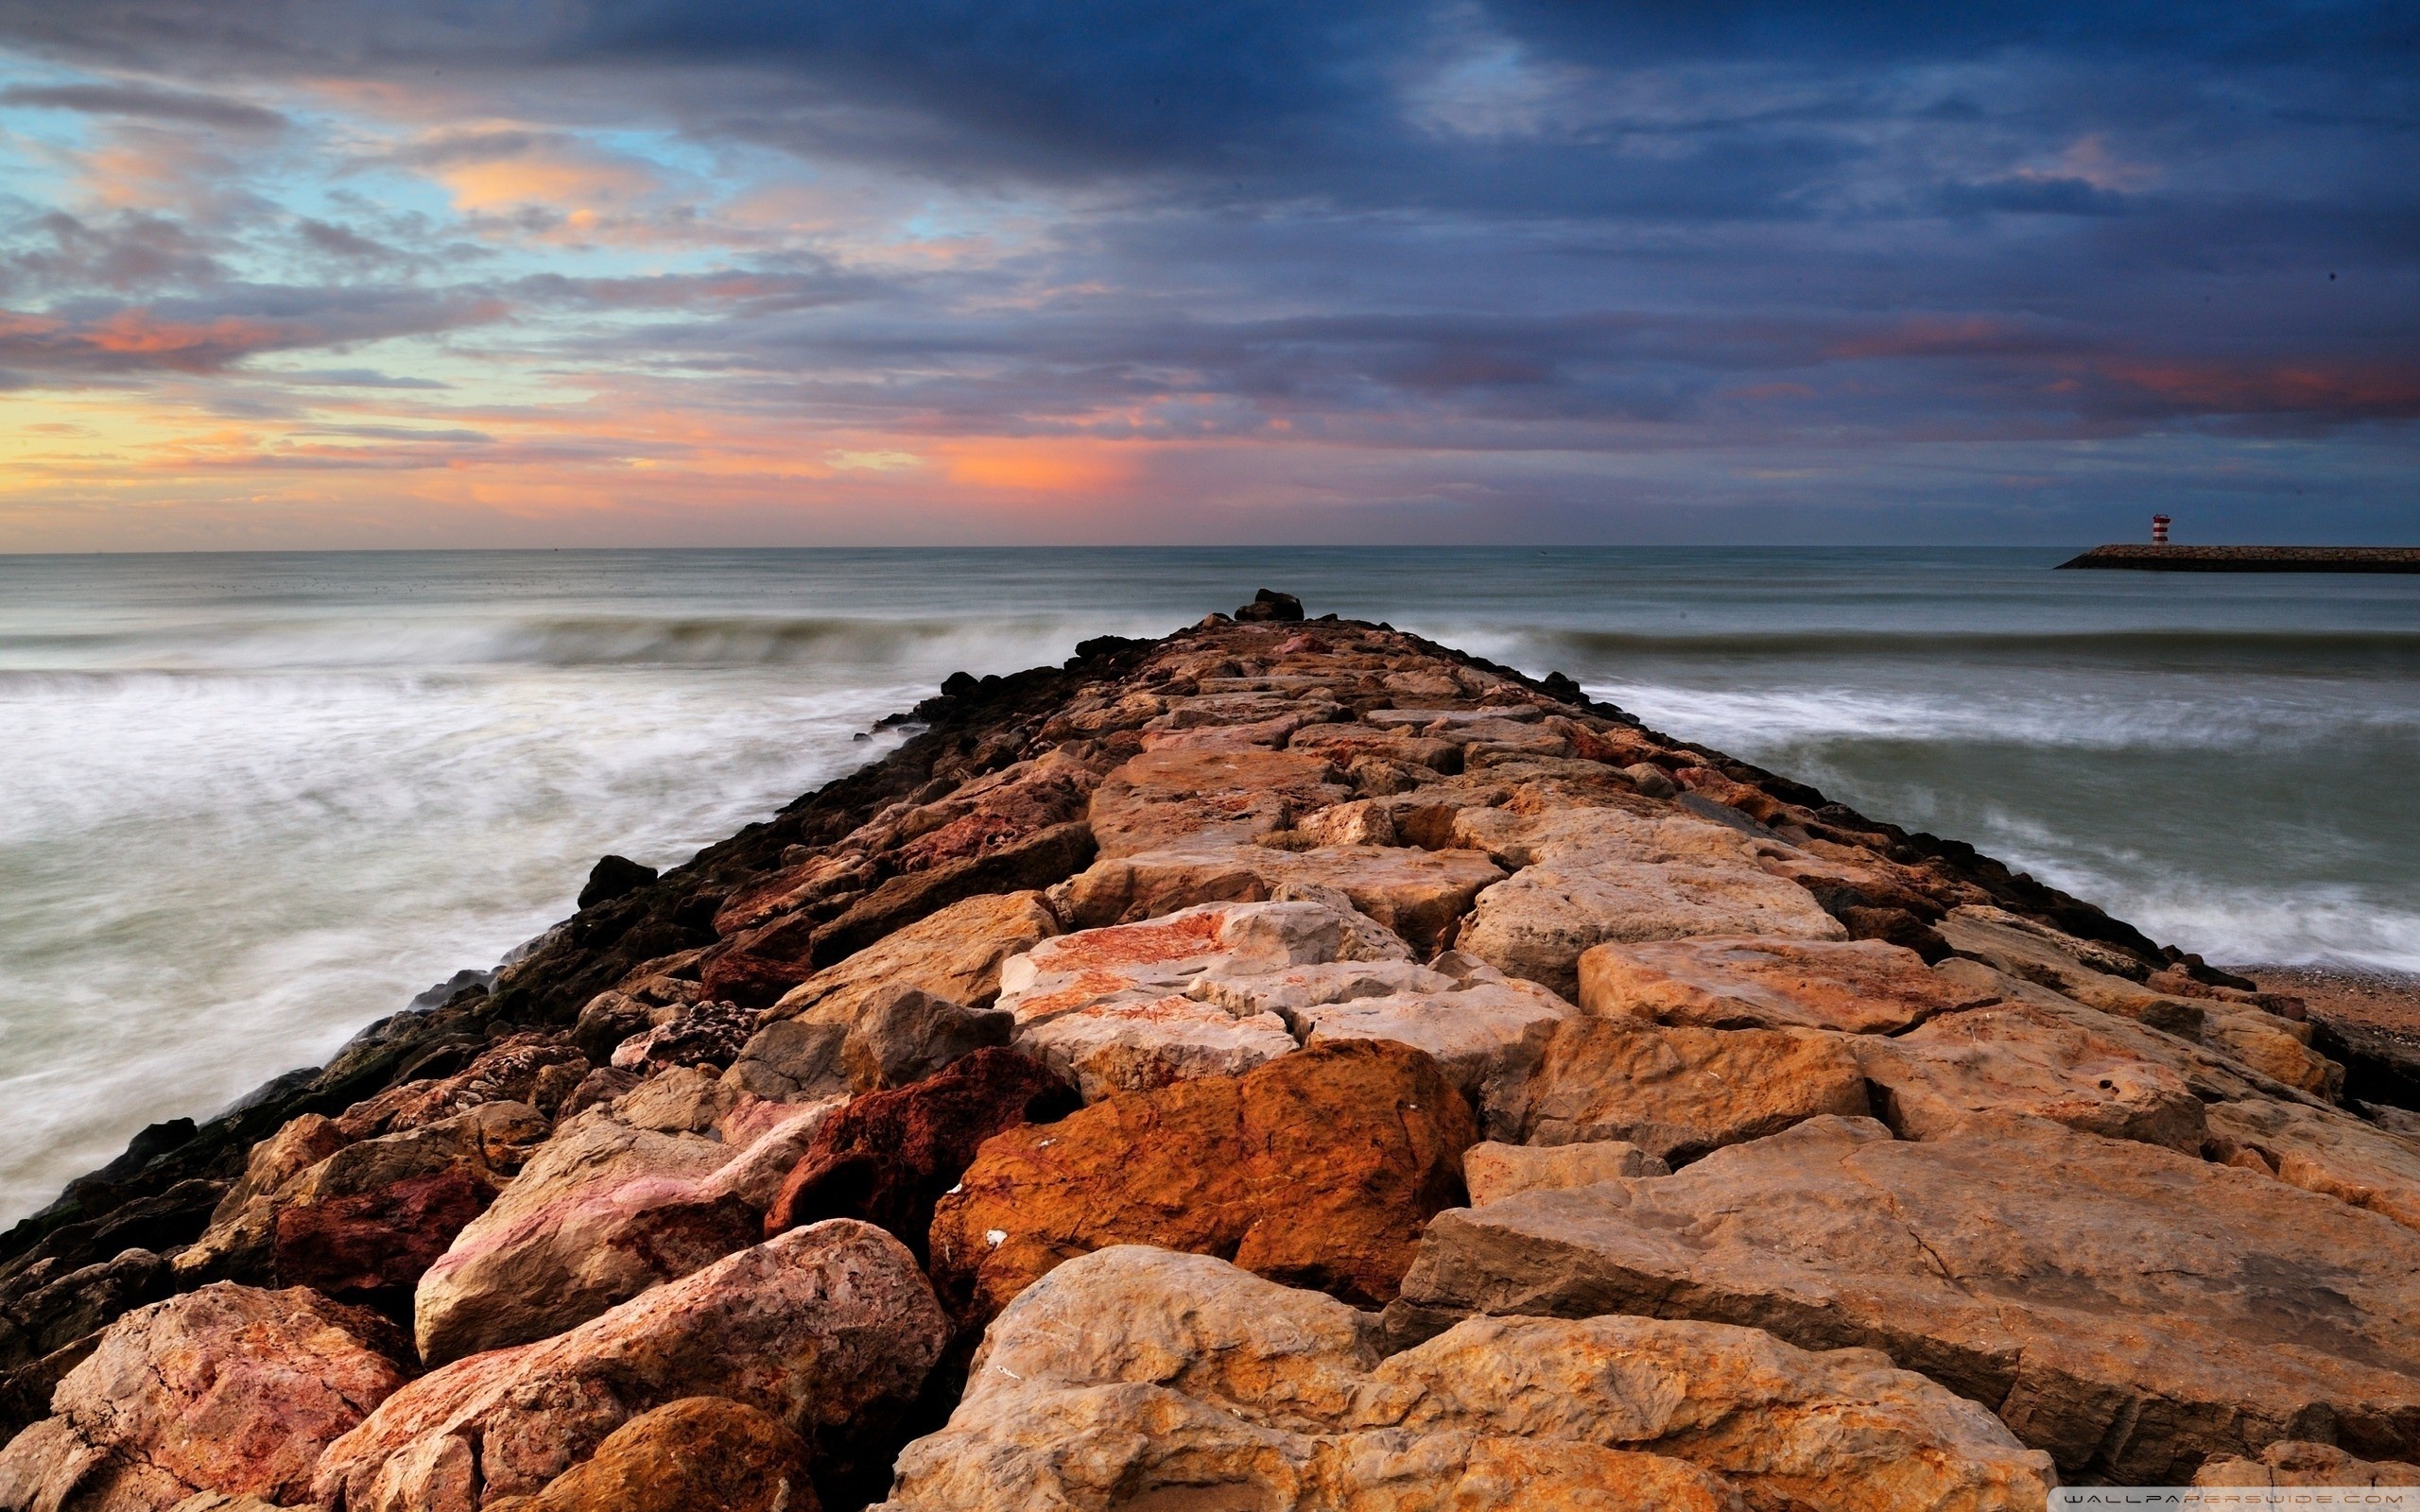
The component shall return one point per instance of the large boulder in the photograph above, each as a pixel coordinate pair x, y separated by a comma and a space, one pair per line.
1137, 1377
604, 1210
1677, 1094
2129, 1309
225, 1390
1318, 1168
1855, 987
830, 1330
698, 1455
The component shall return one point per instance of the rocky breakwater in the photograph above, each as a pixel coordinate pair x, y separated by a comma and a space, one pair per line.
1285, 1064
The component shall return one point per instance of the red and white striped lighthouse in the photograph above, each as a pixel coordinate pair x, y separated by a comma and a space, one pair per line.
2159, 530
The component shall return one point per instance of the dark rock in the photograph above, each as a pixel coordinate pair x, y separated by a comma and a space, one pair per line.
1266, 606
888, 1157
792, 1061
614, 877
602, 1085
39, 1314
905, 1033
373, 1246
751, 980
1894, 926
711, 1033
610, 1019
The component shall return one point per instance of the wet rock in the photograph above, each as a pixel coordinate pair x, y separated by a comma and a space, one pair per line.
2006, 1261
1493, 1172
751, 979
227, 1389
1678, 1092
1268, 606
1137, 1377
829, 1329
614, 877
601, 1212
368, 1216
698, 1455
1861, 986
888, 1157
1317, 1169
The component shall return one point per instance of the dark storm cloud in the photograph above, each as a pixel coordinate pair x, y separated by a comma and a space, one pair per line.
1485, 224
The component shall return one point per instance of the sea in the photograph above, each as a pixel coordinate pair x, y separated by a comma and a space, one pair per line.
251, 803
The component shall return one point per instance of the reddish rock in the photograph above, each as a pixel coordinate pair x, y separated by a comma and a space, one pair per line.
830, 1330
888, 1157
377, 1241
227, 1389
751, 980
1317, 1169
698, 1455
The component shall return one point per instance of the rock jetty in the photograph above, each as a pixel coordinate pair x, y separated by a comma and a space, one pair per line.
1286, 1064
2174, 558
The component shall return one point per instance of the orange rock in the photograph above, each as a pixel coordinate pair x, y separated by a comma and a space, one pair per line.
1752, 982
1317, 1169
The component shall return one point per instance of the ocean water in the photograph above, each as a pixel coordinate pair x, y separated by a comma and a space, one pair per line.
249, 802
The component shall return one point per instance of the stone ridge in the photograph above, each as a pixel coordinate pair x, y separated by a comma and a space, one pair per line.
1286, 1063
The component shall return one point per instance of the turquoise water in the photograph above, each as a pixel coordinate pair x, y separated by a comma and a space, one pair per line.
254, 801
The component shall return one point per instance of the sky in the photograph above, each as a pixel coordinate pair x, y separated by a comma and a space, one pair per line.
404, 273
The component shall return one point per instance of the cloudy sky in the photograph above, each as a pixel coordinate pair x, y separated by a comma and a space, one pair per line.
498, 272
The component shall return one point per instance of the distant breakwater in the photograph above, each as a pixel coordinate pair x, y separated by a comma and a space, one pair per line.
2250, 558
